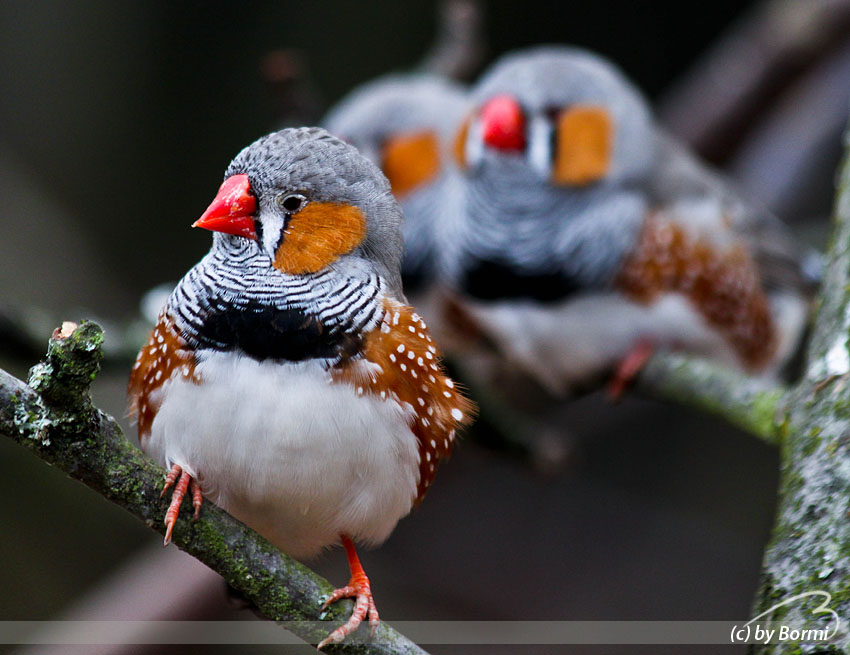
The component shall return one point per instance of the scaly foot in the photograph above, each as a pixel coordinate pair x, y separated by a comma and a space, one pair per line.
359, 589
183, 482
629, 367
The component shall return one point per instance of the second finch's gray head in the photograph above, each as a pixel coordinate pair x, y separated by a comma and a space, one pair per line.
566, 113
554, 152
309, 201
405, 125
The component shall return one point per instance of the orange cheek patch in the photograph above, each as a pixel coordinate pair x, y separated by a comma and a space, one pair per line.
410, 160
459, 145
582, 145
318, 235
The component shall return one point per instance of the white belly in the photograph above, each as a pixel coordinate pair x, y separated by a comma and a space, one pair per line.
290, 453
562, 345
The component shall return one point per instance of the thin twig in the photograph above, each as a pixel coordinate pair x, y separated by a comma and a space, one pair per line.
750, 403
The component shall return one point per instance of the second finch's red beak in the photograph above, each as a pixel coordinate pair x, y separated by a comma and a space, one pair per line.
232, 211
503, 124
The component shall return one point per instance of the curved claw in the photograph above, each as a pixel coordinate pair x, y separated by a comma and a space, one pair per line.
364, 605
181, 481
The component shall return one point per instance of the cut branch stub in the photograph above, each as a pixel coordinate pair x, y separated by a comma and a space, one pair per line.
54, 417
64, 378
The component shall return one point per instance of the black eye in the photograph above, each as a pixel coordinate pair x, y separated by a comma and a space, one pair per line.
292, 202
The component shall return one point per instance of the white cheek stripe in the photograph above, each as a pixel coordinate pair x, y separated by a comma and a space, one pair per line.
540, 146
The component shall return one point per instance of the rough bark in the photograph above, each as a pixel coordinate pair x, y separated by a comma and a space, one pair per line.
54, 417
810, 545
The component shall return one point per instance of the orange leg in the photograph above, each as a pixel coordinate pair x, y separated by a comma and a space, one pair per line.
184, 482
357, 588
629, 367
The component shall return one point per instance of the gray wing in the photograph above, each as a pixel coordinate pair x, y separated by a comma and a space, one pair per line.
784, 265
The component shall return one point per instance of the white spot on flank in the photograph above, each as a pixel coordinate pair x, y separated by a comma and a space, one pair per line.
411, 328
385, 328
425, 422
457, 415
429, 355
383, 395
837, 359
432, 378
447, 394
427, 456
159, 338
395, 319
413, 373
420, 361
400, 348
432, 349
421, 401
152, 351
433, 444
403, 367
411, 354
158, 375
414, 317
449, 383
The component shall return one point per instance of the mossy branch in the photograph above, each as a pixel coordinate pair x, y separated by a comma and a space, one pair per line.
54, 417
810, 545
750, 403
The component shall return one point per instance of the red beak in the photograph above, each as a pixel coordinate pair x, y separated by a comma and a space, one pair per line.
503, 125
232, 210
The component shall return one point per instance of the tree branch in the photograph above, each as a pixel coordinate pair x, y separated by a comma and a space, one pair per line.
54, 417
810, 546
750, 403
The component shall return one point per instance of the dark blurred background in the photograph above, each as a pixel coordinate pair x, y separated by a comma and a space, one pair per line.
116, 123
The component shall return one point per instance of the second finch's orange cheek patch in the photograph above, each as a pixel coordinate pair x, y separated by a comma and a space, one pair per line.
410, 160
318, 235
582, 145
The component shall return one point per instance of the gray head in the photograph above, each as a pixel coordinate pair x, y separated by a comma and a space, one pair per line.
309, 201
555, 152
565, 113
405, 123
402, 121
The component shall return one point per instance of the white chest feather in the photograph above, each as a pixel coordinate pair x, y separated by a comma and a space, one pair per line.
283, 448
562, 345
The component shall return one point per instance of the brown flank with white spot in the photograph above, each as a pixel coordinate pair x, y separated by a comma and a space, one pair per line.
400, 362
723, 285
162, 356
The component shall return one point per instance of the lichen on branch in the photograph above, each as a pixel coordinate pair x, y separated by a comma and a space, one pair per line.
55, 418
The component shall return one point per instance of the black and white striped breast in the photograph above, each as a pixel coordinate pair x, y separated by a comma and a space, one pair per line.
234, 300
526, 239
